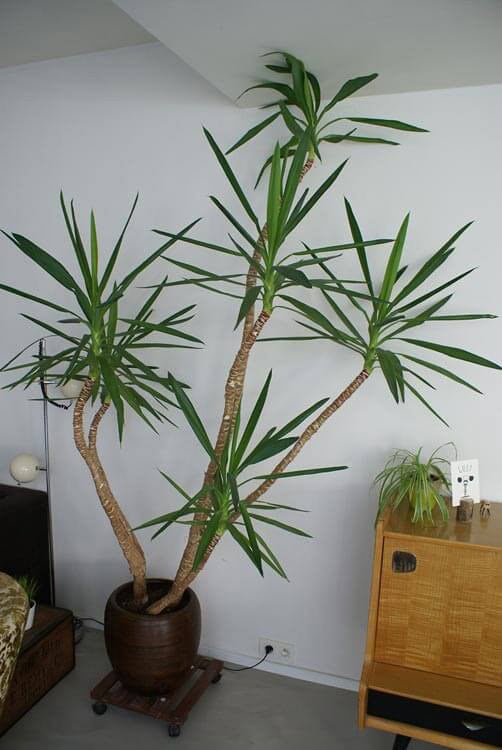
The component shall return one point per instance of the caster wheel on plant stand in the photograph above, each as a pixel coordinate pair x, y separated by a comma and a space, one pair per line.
99, 708
174, 730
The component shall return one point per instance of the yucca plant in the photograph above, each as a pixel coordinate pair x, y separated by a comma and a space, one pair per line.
106, 352
302, 112
361, 316
227, 510
423, 484
276, 270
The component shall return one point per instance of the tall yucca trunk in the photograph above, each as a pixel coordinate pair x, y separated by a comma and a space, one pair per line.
131, 549
233, 394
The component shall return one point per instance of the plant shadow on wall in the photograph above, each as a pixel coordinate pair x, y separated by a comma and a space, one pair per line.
375, 321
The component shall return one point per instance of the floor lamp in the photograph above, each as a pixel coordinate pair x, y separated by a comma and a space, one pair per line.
25, 467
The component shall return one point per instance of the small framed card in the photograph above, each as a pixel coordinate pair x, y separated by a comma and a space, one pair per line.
465, 480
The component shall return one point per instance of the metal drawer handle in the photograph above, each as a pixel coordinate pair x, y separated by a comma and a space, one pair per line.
403, 562
473, 726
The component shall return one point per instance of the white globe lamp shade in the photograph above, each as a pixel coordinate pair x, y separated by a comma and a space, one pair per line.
24, 468
72, 389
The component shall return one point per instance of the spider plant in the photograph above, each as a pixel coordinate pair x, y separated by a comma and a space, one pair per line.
30, 587
104, 349
423, 484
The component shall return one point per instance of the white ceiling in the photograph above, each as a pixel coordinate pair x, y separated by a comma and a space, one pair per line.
413, 44
33, 30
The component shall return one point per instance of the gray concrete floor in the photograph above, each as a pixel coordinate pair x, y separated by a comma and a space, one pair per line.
250, 709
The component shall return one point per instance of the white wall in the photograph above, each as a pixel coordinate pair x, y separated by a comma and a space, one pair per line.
105, 125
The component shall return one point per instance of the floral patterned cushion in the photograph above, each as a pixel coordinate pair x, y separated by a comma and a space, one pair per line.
13, 611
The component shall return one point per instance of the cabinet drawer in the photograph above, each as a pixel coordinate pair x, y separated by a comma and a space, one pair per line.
436, 718
441, 612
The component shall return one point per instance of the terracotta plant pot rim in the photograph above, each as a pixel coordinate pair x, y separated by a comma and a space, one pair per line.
187, 598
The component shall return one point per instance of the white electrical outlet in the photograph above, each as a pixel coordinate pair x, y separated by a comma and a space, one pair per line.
283, 653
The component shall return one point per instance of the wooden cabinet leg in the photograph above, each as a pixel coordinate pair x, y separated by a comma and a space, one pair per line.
401, 742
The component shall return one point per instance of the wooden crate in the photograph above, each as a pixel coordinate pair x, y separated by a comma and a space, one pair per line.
47, 654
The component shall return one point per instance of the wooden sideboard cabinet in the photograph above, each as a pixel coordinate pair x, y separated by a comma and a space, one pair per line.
433, 661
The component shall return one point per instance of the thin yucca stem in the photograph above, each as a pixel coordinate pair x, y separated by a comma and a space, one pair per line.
233, 394
233, 390
308, 433
126, 538
181, 583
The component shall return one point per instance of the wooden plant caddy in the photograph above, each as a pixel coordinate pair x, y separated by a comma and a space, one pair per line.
173, 709
433, 661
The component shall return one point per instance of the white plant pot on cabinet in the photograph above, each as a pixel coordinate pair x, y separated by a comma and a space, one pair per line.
31, 615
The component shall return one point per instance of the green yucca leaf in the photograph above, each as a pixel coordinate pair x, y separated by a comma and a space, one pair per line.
425, 297
146, 327
116, 250
419, 377
234, 491
232, 178
348, 89
253, 541
34, 298
471, 316
274, 199
280, 525
249, 300
293, 423
344, 319
110, 381
242, 231
252, 132
288, 149
207, 537
198, 243
243, 542
425, 403
364, 139
251, 423
442, 371
77, 245
315, 197
394, 124
267, 449
127, 280
54, 331
269, 558
393, 373
293, 274
191, 416
291, 122
94, 255
292, 182
281, 88
316, 90
337, 137
454, 352
430, 266
51, 266
361, 253
393, 264
298, 473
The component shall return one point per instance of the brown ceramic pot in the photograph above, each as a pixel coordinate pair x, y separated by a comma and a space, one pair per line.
152, 654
